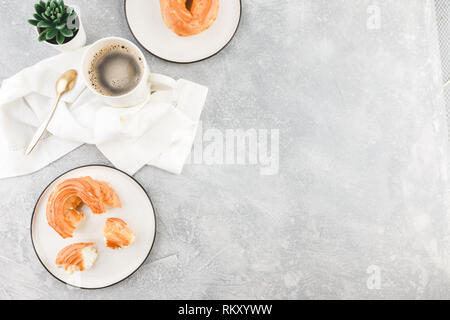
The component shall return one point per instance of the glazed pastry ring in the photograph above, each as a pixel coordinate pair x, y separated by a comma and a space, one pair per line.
188, 18
147, 26
112, 266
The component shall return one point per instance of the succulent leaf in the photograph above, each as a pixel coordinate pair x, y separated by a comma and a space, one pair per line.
44, 24
60, 38
38, 8
61, 26
33, 22
67, 33
51, 33
42, 35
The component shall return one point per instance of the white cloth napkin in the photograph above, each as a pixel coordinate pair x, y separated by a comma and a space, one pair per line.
158, 132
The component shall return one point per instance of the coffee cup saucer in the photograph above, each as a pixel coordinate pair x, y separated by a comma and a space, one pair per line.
147, 26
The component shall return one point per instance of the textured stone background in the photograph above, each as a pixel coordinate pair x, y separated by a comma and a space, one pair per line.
363, 161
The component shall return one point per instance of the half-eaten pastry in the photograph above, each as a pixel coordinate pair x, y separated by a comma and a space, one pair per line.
117, 233
77, 257
64, 203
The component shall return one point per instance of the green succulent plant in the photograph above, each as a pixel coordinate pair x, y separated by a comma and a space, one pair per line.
51, 20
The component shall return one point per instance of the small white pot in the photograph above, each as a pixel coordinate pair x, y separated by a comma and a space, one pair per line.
76, 42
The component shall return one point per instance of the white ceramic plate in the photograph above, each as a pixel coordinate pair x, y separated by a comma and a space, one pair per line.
146, 24
111, 266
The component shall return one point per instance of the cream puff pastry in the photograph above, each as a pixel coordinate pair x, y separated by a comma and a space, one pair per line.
117, 233
64, 202
77, 257
189, 17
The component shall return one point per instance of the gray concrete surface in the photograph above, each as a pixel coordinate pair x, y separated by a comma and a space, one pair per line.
358, 208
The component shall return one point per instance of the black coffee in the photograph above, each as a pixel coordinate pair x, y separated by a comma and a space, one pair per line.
115, 70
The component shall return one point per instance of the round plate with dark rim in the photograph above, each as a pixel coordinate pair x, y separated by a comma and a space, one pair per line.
112, 266
147, 26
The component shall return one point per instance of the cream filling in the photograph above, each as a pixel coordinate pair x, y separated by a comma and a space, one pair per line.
89, 256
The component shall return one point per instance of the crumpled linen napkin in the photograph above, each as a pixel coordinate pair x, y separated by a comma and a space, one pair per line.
158, 132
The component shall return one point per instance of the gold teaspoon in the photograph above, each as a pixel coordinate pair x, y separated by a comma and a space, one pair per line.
63, 84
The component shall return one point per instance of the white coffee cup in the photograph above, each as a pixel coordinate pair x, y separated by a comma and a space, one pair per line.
139, 93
